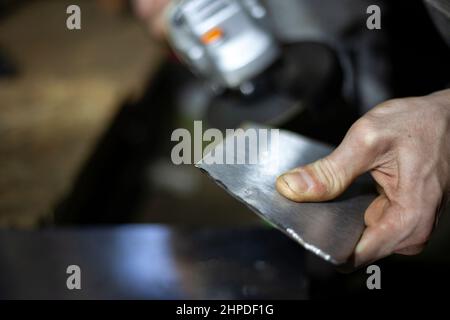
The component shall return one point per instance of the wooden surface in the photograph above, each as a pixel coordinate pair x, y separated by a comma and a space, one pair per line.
70, 86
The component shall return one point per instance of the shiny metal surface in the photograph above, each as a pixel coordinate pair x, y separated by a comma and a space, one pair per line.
330, 230
152, 262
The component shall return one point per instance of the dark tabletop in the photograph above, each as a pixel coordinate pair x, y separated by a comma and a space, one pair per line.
151, 262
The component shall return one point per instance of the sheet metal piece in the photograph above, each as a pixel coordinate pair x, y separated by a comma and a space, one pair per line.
331, 230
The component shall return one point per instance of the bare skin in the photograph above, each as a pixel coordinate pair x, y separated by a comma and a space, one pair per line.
152, 12
405, 145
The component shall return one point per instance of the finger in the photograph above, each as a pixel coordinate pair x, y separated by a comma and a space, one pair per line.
327, 178
159, 26
411, 251
144, 8
149, 9
420, 220
381, 238
375, 211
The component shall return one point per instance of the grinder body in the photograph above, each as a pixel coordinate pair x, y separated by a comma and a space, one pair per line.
226, 42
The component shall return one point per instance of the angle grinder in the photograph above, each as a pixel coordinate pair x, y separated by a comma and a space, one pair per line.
232, 46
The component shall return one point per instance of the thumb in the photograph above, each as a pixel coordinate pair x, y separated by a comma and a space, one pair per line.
326, 178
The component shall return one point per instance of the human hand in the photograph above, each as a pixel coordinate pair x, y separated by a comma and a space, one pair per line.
405, 145
152, 12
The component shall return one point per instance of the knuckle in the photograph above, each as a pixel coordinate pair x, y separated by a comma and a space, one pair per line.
415, 232
323, 181
419, 249
420, 239
391, 226
330, 180
365, 134
327, 184
410, 250
387, 106
399, 223
407, 219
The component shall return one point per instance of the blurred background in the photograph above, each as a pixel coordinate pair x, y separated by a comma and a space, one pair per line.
85, 171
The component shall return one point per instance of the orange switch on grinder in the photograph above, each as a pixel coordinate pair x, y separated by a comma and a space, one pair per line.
212, 35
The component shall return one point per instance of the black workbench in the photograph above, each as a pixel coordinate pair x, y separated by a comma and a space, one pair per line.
151, 262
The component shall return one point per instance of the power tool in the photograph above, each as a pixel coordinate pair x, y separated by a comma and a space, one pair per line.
232, 45
228, 42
